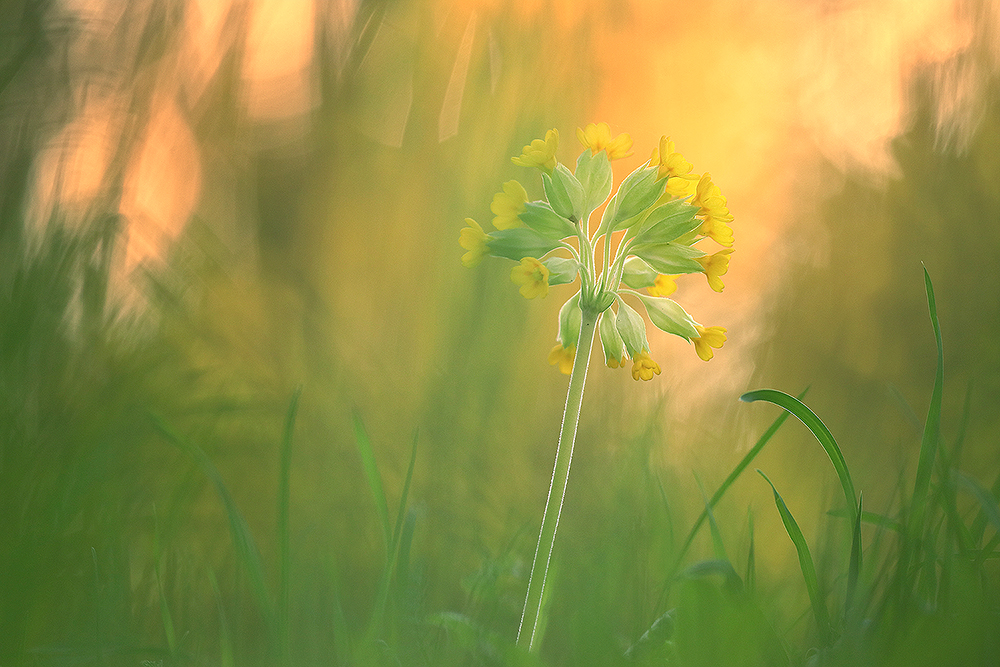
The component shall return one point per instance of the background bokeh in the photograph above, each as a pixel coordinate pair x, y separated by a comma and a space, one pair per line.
206, 204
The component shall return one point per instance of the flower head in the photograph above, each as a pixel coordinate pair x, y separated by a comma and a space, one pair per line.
708, 338
715, 266
509, 204
540, 153
532, 276
663, 286
713, 210
473, 239
563, 358
598, 138
643, 366
663, 211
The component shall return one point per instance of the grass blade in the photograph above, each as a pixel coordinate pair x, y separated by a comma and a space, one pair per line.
284, 549
932, 427
721, 491
401, 510
854, 568
165, 616
872, 519
805, 564
987, 502
818, 429
750, 581
374, 479
243, 541
226, 655
718, 547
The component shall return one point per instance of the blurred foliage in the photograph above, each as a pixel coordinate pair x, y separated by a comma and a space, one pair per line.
322, 252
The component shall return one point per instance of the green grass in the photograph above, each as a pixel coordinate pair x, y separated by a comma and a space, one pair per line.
913, 585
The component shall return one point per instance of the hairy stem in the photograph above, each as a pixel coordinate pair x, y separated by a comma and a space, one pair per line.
528, 635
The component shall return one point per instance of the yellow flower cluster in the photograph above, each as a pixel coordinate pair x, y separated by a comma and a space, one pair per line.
663, 210
540, 153
598, 138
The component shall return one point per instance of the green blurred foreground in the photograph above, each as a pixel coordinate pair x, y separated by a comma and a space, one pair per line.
100, 573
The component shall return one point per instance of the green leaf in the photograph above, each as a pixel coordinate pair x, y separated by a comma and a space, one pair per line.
518, 243
637, 274
611, 340
668, 222
595, 175
669, 258
818, 429
638, 191
632, 329
805, 565
564, 192
668, 315
561, 270
570, 318
539, 216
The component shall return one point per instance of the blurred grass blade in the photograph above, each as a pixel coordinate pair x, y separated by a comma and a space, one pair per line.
718, 547
932, 426
987, 502
165, 617
658, 634
98, 610
284, 549
226, 658
818, 429
401, 510
946, 497
854, 568
979, 523
805, 564
871, 518
374, 480
750, 580
721, 491
403, 557
246, 549
487, 646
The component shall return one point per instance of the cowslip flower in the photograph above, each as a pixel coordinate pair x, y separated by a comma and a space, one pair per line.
540, 153
562, 357
671, 165
713, 210
532, 276
508, 205
708, 337
715, 266
646, 238
473, 239
649, 233
643, 367
663, 285
598, 138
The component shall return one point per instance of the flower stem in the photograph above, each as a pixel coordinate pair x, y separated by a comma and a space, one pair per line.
528, 634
